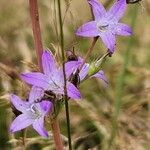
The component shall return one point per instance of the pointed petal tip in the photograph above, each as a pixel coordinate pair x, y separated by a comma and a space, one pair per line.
22, 75
12, 96
97, 8
78, 32
123, 30
78, 96
11, 130
111, 51
72, 91
117, 10
45, 135
46, 52
130, 32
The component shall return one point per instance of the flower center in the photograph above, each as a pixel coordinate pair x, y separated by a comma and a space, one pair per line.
102, 26
35, 112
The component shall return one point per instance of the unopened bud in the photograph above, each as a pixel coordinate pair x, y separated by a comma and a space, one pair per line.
96, 66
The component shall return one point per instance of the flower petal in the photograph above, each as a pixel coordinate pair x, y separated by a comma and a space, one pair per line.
101, 76
46, 106
38, 125
36, 79
109, 40
88, 30
84, 71
35, 94
21, 122
72, 91
71, 66
117, 10
48, 63
123, 29
18, 103
97, 8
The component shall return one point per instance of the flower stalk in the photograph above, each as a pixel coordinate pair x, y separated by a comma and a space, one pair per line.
39, 50
64, 73
56, 134
89, 52
24, 138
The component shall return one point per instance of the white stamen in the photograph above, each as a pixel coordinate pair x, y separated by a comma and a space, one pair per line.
102, 26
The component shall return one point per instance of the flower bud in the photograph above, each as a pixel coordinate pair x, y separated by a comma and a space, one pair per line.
96, 66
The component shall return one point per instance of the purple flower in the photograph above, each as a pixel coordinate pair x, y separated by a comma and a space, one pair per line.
32, 113
52, 79
72, 66
106, 24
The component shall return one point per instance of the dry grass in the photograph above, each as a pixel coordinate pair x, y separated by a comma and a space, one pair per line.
92, 119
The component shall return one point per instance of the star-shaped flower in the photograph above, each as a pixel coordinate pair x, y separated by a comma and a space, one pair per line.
32, 113
106, 24
52, 79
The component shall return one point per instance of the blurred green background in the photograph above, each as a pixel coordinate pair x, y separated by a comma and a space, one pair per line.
114, 117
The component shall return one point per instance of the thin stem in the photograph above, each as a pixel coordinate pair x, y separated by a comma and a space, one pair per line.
56, 28
63, 65
56, 134
68, 5
89, 52
39, 50
24, 138
36, 30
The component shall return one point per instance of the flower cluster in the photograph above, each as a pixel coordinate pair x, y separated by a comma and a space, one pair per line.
51, 81
48, 86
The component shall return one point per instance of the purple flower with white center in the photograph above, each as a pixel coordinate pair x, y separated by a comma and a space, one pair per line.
52, 79
32, 113
72, 66
106, 24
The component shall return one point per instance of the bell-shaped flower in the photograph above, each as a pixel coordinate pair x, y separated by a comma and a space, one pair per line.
52, 79
72, 66
32, 113
106, 24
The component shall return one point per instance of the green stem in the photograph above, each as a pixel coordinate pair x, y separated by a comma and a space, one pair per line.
121, 81
63, 65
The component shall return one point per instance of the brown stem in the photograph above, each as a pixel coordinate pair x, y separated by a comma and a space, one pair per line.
89, 52
24, 138
56, 134
36, 30
39, 50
